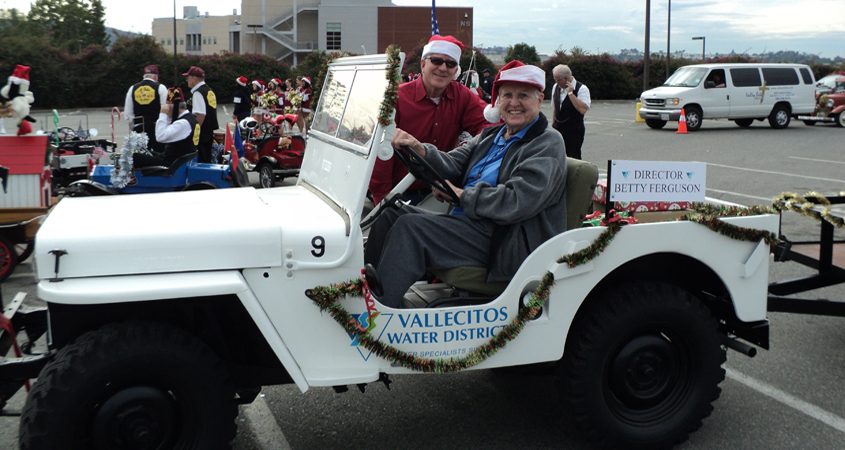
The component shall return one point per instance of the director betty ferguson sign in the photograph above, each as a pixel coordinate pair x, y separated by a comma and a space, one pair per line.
656, 181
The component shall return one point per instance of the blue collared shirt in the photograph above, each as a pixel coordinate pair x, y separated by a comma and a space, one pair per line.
487, 168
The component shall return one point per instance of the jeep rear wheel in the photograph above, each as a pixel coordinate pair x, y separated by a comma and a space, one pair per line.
655, 123
642, 366
266, 179
779, 118
131, 385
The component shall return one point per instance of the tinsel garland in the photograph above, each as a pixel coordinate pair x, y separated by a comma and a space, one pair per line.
391, 94
805, 204
121, 173
326, 297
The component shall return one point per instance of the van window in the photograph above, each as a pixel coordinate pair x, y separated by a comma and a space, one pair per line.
805, 74
780, 76
745, 77
715, 80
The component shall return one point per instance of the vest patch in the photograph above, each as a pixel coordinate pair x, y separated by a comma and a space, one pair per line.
212, 99
144, 95
196, 134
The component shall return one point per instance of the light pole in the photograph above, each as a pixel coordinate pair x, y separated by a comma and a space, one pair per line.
703, 41
647, 50
668, 35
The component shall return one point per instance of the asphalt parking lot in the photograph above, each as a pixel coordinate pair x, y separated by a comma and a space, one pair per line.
788, 397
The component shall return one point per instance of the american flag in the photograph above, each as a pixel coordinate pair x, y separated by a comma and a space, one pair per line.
435, 29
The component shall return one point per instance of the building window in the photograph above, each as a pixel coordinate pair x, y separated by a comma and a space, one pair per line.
214, 40
195, 42
333, 36
181, 42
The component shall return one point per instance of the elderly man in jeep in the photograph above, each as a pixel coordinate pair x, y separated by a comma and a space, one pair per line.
507, 191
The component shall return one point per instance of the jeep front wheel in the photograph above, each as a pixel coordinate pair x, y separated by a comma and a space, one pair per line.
642, 366
131, 385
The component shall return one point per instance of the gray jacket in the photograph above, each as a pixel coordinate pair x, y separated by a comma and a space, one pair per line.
527, 206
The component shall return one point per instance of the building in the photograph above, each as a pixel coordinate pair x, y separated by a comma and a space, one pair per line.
289, 30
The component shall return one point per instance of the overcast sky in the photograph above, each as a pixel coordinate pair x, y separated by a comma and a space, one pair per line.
753, 26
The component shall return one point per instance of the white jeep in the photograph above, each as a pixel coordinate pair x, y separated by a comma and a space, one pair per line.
168, 310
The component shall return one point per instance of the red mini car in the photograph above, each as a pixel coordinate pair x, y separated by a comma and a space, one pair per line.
272, 149
830, 106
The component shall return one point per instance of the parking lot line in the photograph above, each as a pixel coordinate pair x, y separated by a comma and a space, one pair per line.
772, 172
826, 161
787, 399
262, 423
755, 197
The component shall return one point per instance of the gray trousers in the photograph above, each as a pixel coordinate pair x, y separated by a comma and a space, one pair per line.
411, 242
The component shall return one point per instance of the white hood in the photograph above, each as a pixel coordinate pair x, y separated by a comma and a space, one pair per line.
665, 92
158, 233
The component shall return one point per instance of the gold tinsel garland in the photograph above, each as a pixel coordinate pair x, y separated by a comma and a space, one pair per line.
805, 205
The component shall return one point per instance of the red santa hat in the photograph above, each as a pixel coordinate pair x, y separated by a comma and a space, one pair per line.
20, 75
258, 83
242, 80
514, 72
307, 80
444, 45
276, 81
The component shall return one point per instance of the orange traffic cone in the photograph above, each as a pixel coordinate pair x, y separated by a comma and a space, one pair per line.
682, 123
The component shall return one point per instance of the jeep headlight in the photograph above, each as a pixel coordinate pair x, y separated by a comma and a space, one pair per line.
673, 101
829, 103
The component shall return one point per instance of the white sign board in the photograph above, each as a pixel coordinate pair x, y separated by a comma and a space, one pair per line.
657, 181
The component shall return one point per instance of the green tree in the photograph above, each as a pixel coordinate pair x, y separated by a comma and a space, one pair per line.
71, 24
523, 52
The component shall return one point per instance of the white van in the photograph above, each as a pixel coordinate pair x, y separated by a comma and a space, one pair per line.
740, 92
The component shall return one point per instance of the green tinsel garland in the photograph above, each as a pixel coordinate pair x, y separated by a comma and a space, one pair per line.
391, 94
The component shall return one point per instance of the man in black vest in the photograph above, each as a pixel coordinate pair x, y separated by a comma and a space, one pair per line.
203, 104
571, 100
143, 102
243, 105
177, 131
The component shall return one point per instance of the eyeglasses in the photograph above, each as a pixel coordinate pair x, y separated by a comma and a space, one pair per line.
440, 61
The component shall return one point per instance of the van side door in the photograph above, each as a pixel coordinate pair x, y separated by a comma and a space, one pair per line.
747, 94
715, 101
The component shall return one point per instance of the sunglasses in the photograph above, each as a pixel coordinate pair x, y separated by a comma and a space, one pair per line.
440, 61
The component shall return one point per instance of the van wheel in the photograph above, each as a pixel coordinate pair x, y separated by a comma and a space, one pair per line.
655, 123
266, 179
840, 119
809, 123
744, 123
694, 117
131, 385
779, 118
642, 366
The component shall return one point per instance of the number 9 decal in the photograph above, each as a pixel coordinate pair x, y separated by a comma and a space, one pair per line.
319, 244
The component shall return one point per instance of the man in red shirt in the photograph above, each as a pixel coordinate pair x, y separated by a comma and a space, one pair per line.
434, 108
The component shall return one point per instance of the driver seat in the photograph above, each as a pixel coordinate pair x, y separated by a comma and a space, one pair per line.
581, 179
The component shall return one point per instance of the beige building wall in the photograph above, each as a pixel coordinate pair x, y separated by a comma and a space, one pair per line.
200, 35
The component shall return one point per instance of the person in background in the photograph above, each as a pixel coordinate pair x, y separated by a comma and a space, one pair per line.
143, 103
571, 101
176, 129
305, 107
486, 84
433, 108
243, 105
203, 105
510, 185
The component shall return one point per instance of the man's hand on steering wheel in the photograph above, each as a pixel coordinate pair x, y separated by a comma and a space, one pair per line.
411, 152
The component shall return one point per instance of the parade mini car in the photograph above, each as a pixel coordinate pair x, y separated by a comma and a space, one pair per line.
272, 150
75, 153
830, 105
182, 305
184, 174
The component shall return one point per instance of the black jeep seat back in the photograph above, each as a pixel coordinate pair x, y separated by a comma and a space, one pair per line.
166, 171
581, 179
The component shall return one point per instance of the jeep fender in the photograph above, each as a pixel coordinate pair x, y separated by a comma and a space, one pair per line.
268, 159
135, 288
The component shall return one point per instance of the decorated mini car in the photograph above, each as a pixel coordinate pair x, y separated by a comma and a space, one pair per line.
271, 149
181, 306
830, 106
184, 174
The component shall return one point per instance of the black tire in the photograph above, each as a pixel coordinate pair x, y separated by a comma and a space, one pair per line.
8, 258
809, 123
642, 366
655, 123
131, 385
266, 178
779, 118
24, 250
744, 123
694, 117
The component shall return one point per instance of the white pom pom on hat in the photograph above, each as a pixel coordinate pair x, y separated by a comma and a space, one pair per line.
513, 72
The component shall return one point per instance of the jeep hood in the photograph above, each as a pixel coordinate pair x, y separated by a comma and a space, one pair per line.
169, 232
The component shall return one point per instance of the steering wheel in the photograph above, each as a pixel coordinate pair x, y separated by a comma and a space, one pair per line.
422, 170
66, 133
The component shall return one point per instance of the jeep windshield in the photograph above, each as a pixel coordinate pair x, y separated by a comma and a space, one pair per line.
686, 77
